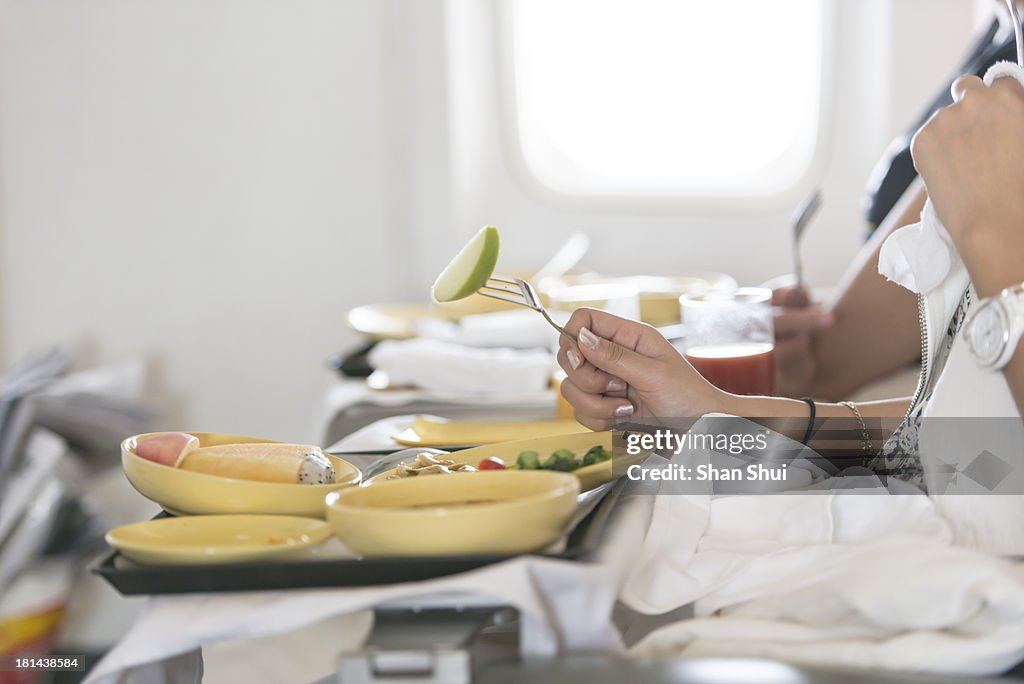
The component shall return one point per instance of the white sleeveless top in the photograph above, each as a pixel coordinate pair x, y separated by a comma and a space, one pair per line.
971, 437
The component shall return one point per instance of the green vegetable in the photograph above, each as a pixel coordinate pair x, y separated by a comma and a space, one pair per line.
596, 454
528, 460
561, 459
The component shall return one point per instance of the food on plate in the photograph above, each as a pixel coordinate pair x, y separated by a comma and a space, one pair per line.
528, 460
428, 464
258, 461
283, 463
470, 268
562, 459
167, 448
492, 463
596, 454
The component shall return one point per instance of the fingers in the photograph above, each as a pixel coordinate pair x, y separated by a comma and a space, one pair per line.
585, 375
794, 350
625, 332
595, 411
964, 85
790, 296
616, 360
792, 321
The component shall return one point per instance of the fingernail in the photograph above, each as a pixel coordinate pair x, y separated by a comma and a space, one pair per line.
615, 385
574, 359
825, 318
588, 339
624, 411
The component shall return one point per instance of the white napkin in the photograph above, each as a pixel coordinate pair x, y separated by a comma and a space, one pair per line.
920, 256
519, 329
836, 578
446, 367
903, 604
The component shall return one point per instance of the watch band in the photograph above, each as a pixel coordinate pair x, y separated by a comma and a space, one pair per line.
1002, 317
1012, 300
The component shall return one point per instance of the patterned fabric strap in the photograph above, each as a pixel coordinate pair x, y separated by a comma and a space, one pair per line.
900, 455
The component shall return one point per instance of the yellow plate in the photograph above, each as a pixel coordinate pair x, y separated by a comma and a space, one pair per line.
398, 321
184, 492
659, 295
511, 512
209, 539
427, 432
591, 476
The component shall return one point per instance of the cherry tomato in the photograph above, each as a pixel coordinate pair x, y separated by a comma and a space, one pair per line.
492, 463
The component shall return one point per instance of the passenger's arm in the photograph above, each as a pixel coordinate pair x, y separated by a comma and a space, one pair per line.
875, 329
969, 155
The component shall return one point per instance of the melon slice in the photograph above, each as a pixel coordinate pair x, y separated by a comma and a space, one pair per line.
470, 268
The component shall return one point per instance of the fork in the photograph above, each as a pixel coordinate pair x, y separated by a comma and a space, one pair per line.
1017, 33
519, 292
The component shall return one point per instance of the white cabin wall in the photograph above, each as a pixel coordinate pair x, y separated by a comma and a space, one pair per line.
210, 185
196, 182
891, 57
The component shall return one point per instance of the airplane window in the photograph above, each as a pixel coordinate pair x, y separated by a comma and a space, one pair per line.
667, 97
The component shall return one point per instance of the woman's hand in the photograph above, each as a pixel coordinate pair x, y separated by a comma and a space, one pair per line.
796, 319
971, 157
624, 371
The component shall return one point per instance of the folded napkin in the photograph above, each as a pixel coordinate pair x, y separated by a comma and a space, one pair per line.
920, 256
519, 329
446, 367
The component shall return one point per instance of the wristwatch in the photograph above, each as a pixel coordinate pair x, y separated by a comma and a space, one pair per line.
995, 327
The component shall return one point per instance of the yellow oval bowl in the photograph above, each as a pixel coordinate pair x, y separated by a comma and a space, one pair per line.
492, 512
210, 539
184, 492
590, 476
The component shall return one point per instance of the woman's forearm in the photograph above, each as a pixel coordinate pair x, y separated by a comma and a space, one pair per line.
838, 431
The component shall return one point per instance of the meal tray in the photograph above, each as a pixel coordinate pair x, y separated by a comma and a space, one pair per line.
131, 578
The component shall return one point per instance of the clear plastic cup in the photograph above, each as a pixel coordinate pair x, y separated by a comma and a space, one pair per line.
730, 340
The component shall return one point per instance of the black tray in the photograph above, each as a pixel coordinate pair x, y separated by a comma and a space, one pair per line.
131, 578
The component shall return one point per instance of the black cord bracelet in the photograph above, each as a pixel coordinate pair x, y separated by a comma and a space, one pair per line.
810, 420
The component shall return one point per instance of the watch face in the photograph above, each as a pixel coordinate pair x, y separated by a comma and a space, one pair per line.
987, 333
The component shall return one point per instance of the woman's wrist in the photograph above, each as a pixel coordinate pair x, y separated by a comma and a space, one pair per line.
761, 407
994, 258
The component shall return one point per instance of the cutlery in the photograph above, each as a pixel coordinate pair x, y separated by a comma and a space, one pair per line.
1017, 32
518, 291
801, 219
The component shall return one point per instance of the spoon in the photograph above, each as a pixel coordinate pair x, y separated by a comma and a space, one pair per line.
801, 219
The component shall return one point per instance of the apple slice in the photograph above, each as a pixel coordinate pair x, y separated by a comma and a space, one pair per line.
470, 268
167, 448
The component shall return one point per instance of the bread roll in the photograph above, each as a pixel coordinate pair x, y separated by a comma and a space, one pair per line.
263, 462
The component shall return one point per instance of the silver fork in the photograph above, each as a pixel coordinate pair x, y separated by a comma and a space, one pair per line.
518, 291
1017, 33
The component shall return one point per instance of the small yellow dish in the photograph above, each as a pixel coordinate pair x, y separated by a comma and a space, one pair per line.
590, 476
185, 492
428, 432
210, 539
492, 512
659, 295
